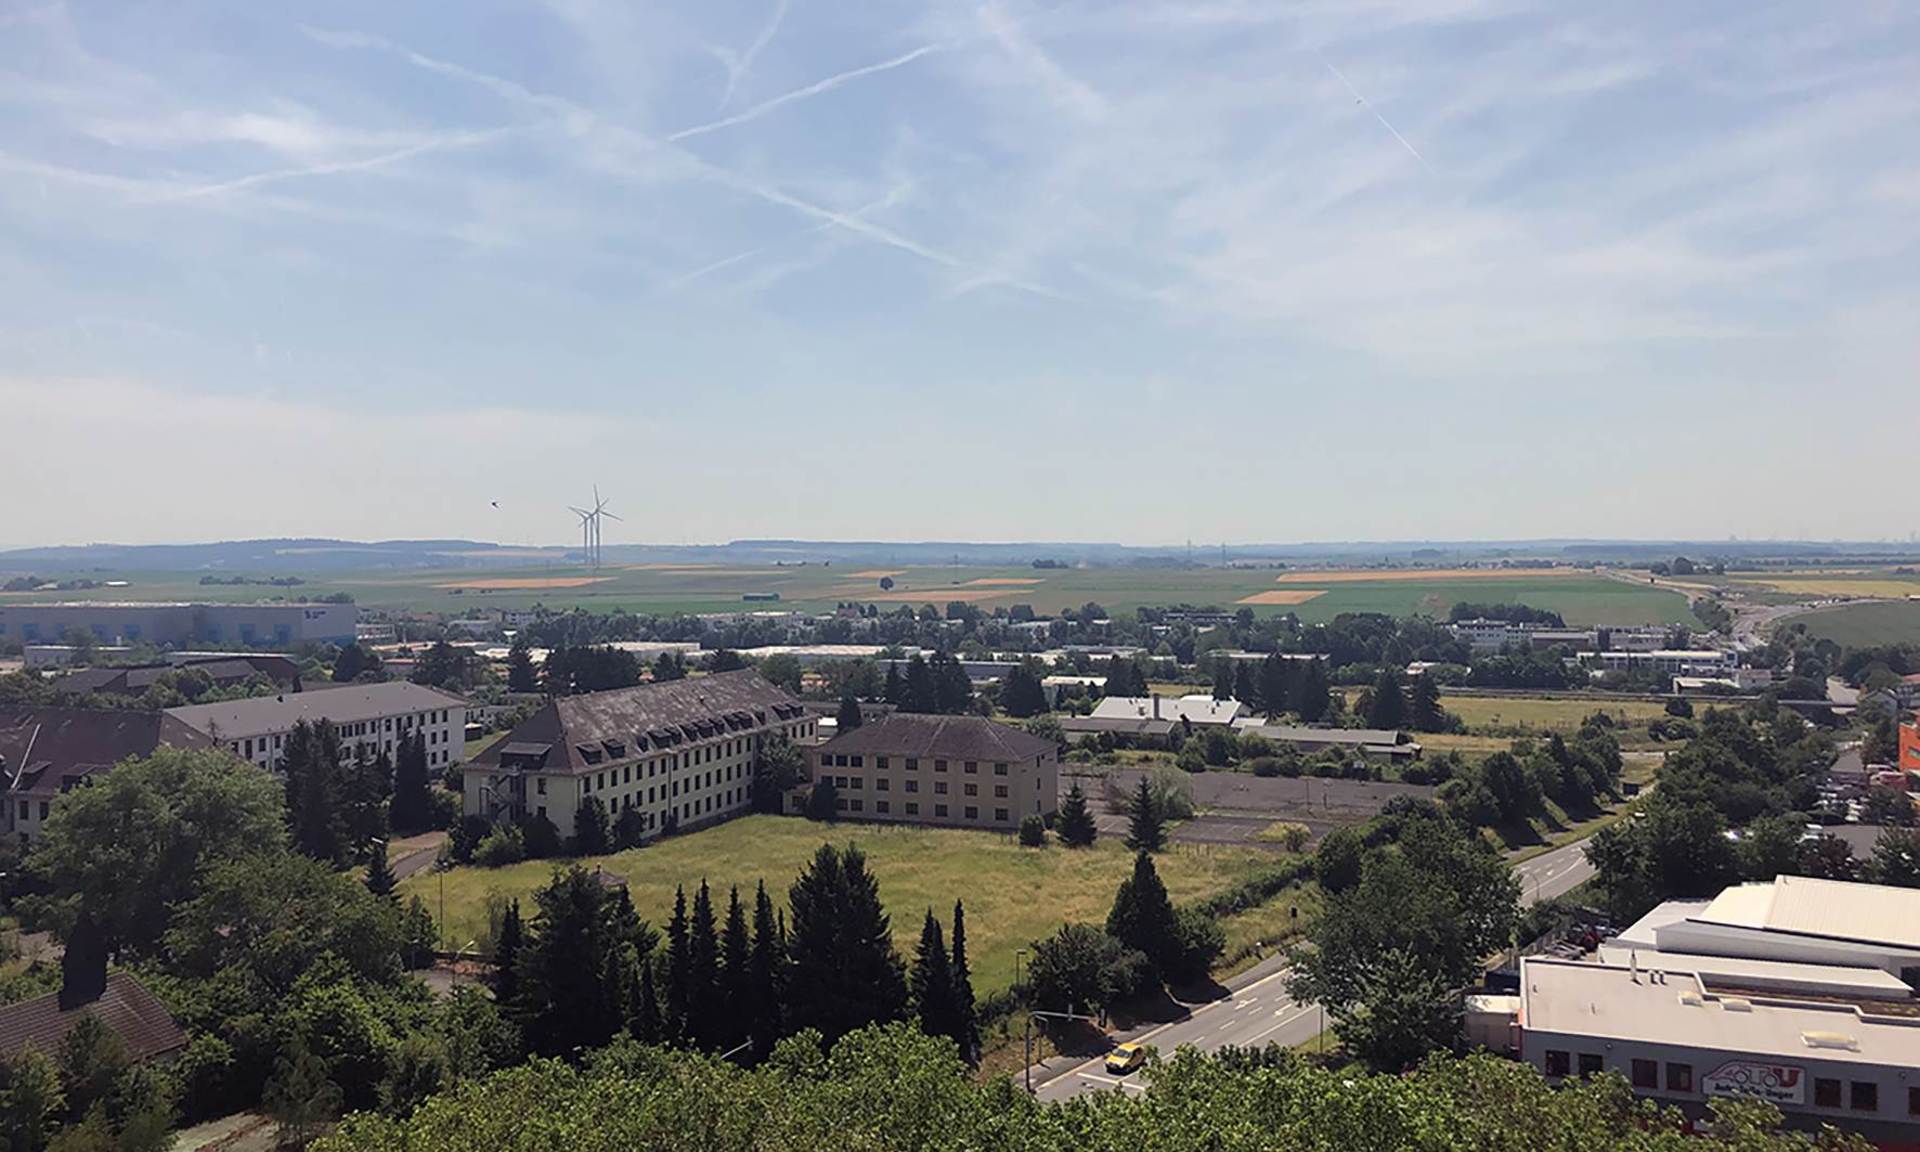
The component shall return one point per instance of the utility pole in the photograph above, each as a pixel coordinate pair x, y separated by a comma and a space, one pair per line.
1051, 1016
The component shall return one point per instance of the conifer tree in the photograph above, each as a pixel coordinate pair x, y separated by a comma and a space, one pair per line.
736, 976
643, 1013
1143, 918
1075, 825
932, 983
380, 879
411, 808
765, 973
1312, 696
895, 690
1147, 826
1275, 694
966, 1015
1389, 701
848, 717
918, 693
590, 834
844, 972
312, 770
562, 967
520, 674
679, 969
506, 958
703, 949
1424, 713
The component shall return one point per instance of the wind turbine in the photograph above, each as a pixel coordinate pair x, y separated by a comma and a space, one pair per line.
599, 510
586, 531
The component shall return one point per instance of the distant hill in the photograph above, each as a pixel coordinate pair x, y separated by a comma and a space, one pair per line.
324, 555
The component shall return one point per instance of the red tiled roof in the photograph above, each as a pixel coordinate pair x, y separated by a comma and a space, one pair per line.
128, 1010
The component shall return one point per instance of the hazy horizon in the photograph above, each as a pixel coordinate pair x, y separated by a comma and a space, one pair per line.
978, 269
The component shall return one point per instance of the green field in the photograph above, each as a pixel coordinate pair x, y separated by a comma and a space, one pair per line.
1014, 895
1580, 598
1506, 713
1863, 625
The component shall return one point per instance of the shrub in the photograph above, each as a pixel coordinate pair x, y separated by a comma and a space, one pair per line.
1033, 831
501, 847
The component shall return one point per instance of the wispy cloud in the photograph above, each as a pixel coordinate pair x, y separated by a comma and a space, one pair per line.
837, 80
335, 167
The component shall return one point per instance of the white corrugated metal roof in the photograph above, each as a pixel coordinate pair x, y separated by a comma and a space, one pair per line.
1837, 909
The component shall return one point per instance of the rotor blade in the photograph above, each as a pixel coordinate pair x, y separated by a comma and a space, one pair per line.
610, 516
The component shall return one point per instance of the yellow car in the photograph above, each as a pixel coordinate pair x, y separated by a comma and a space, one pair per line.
1126, 1058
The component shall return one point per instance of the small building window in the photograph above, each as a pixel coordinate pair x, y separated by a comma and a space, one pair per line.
971, 767
1559, 1063
1913, 1101
1679, 1077
1590, 1064
1863, 1096
1826, 1093
999, 769
940, 787
973, 789
1000, 791
939, 765
913, 809
880, 762
858, 804
972, 812
913, 764
1000, 815
940, 810
881, 784
881, 806
913, 785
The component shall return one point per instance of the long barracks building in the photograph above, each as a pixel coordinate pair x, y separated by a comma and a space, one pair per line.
681, 752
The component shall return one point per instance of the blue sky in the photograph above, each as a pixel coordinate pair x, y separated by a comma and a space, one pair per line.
984, 269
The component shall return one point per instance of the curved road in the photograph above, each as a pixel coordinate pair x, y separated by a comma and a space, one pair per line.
1258, 1010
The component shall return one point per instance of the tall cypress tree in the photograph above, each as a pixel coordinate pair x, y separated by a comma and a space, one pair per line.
1146, 827
520, 674
1274, 694
1424, 712
679, 969
703, 946
932, 983
312, 769
412, 807
1246, 685
736, 976
1076, 826
506, 957
765, 972
1312, 695
895, 692
643, 1008
966, 1016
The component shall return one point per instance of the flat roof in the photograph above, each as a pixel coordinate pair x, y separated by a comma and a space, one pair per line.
1611, 1003
1781, 975
1832, 909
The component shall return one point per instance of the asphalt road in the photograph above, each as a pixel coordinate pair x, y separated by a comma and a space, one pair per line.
1259, 1012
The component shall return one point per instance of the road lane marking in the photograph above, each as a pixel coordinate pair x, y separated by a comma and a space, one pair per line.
1301, 1015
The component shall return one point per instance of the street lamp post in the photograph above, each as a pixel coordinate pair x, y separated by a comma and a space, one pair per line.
1050, 1016
1018, 953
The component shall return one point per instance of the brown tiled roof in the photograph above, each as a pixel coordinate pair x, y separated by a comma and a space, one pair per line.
128, 1010
43, 745
595, 728
225, 671
951, 737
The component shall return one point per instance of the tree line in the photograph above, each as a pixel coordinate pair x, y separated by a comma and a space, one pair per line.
893, 1088
586, 969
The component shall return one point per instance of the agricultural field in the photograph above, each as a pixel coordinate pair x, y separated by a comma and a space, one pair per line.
1581, 597
1875, 583
1862, 625
1014, 895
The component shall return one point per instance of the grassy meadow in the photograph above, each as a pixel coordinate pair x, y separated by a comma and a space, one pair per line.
1013, 895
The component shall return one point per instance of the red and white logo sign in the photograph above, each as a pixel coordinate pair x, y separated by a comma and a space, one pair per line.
1779, 1083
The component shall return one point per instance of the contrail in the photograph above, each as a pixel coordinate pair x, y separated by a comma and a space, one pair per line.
814, 89
1362, 101
737, 71
459, 140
